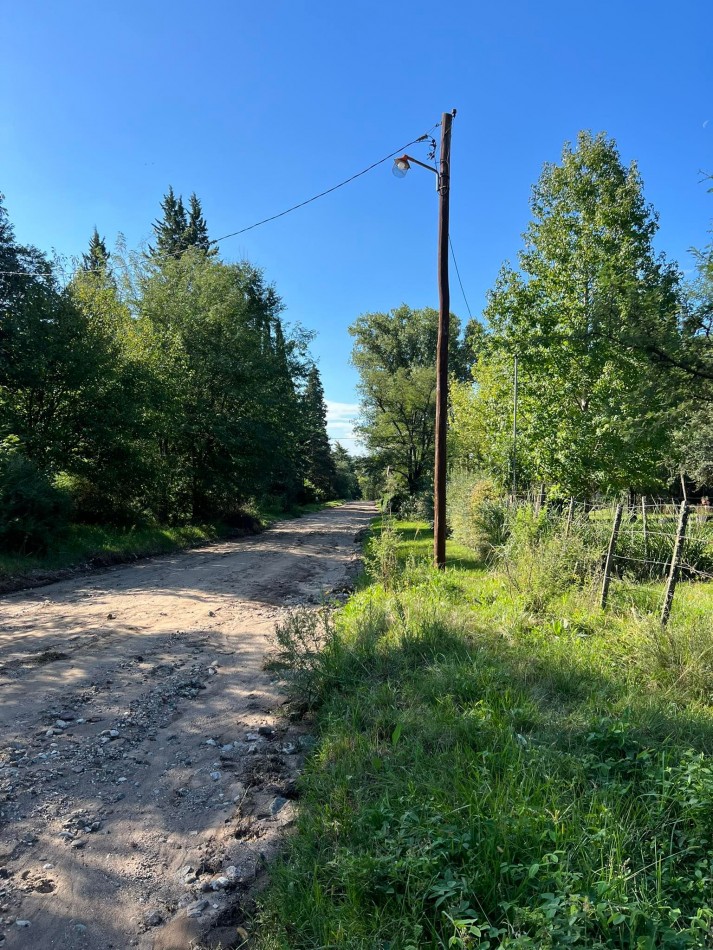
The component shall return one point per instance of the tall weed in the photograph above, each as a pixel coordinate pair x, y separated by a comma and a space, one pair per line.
541, 562
381, 557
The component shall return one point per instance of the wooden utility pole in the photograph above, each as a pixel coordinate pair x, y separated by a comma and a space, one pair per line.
675, 563
439, 471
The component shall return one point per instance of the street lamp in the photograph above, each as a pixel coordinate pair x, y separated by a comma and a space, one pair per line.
404, 162
443, 176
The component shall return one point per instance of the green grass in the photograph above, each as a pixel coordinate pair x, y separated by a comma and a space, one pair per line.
84, 543
103, 544
499, 763
269, 514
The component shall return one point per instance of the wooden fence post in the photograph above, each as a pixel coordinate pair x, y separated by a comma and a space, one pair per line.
645, 527
675, 563
610, 555
570, 515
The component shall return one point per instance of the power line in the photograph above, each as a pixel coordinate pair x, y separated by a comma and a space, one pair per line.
281, 214
30, 273
455, 262
341, 184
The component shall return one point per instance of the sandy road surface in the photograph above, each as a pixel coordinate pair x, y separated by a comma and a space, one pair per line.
145, 775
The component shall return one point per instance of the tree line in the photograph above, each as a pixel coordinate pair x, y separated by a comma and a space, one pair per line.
159, 385
613, 346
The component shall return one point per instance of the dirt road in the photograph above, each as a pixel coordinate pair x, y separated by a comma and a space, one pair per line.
145, 774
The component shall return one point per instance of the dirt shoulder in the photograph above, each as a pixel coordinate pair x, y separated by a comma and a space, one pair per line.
146, 776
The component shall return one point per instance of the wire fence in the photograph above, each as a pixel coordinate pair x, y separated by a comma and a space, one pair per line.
644, 539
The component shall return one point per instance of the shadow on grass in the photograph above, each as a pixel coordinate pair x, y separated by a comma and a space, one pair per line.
533, 785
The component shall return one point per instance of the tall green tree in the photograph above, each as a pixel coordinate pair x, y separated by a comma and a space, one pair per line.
170, 229
196, 233
589, 287
285, 374
24, 273
96, 259
319, 469
689, 367
395, 354
57, 365
180, 228
346, 479
208, 333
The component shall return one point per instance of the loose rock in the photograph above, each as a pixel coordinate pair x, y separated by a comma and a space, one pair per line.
196, 908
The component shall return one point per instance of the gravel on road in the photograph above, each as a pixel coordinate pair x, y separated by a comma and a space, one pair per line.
147, 775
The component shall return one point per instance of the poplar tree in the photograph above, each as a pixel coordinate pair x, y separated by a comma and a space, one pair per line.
395, 354
589, 288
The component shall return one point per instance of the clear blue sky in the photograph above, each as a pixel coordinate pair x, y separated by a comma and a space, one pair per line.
256, 106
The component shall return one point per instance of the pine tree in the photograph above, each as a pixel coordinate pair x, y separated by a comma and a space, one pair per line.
346, 484
319, 467
171, 229
96, 260
196, 234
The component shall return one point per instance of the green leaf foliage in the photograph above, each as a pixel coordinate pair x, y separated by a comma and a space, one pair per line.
32, 511
395, 354
163, 389
589, 291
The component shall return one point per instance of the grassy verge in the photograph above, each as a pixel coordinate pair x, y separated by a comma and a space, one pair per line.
101, 545
269, 515
499, 766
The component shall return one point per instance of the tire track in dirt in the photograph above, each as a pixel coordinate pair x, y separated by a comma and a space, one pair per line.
146, 776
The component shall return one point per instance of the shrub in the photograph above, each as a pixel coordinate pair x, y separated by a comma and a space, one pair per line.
545, 569
477, 514
311, 493
301, 638
32, 511
417, 507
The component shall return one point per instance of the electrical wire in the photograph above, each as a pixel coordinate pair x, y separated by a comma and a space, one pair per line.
29, 273
281, 214
455, 263
328, 191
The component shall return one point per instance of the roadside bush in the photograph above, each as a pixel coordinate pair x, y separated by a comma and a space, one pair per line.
94, 504
314, 656
477, 514
311, 493
540, 562
417, 507
394, 494
302, 639
544, 570
33, 513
